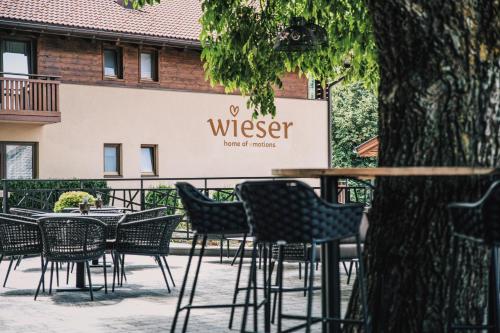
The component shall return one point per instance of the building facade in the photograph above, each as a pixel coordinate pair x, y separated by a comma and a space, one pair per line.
92, 89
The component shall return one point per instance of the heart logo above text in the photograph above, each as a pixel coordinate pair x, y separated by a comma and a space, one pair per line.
234, 110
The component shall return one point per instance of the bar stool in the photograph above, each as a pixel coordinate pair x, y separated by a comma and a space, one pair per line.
208, 217
289, 211
478, 222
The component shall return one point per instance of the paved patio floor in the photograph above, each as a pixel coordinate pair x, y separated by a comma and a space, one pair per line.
141, 305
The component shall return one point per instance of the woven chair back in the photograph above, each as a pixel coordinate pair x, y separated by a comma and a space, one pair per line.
151, 236
290, 211
19, 237
145, 214
479, 220
72, 239
208, 216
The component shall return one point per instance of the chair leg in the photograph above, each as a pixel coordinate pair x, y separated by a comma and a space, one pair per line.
18, 262
57, 273
67, 273
267, 287
168, 270
122, 275
105, 273
227, 248
349, 273
221, 248
51, 277
300, 270
242, 245
238, 275
362, 285
253, 266
87, 267
496, 288
8, 271
44, 268
195, 281
184, 282
163, 272
280, 288
255, 305
43, 278
306, 274
310, 289
275, 296
116, 270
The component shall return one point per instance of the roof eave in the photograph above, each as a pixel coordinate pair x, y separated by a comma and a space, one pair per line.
98, 34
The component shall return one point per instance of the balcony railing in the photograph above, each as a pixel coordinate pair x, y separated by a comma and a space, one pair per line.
29, 98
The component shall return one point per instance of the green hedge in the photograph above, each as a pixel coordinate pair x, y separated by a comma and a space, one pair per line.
42, 198
166, 196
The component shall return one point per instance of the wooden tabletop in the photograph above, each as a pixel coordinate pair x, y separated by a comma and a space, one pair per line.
389, 171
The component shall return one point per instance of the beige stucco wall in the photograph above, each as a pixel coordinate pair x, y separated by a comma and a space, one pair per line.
178, 122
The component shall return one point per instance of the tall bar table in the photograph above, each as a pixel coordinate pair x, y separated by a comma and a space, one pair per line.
330, 252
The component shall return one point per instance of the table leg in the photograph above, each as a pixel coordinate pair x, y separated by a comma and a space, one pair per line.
330, 273
80, 275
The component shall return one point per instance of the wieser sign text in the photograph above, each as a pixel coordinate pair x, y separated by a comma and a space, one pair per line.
235, 131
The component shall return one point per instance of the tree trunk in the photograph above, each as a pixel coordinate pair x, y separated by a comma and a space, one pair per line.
439, 105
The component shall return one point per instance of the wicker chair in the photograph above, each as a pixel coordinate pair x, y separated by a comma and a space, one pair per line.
26, 212
149, 237
208, 217
290, 212
477, 222
18, 237
74, 239
138, 216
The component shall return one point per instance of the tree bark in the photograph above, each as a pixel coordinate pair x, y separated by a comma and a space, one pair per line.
439, 105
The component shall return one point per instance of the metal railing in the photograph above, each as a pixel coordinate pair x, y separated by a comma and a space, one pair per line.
146, 193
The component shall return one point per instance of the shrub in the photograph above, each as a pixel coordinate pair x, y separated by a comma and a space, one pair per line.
163, 196
72, 199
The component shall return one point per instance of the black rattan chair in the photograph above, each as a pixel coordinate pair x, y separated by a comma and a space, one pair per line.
19, 236
287, 212
72, 240
208, 217
150, 237
477, 222
137, 216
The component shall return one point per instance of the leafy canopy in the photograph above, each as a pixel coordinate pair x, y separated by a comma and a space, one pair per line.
354, 121
238, 38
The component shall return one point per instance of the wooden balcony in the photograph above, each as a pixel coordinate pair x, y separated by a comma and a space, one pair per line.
29, 99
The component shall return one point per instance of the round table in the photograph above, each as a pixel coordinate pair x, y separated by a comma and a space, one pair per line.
80, 267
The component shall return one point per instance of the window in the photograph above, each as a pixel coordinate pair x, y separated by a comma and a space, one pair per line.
112, 159
17, 160
149, 160
112, 63
16, 58
148, 65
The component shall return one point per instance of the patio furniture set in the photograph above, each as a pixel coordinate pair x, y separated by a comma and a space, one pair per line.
284, 219
74, 239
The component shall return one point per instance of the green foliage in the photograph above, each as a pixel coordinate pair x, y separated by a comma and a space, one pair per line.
224, 195
238, 37
72, 199
40, 194
163, 196
354, 121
